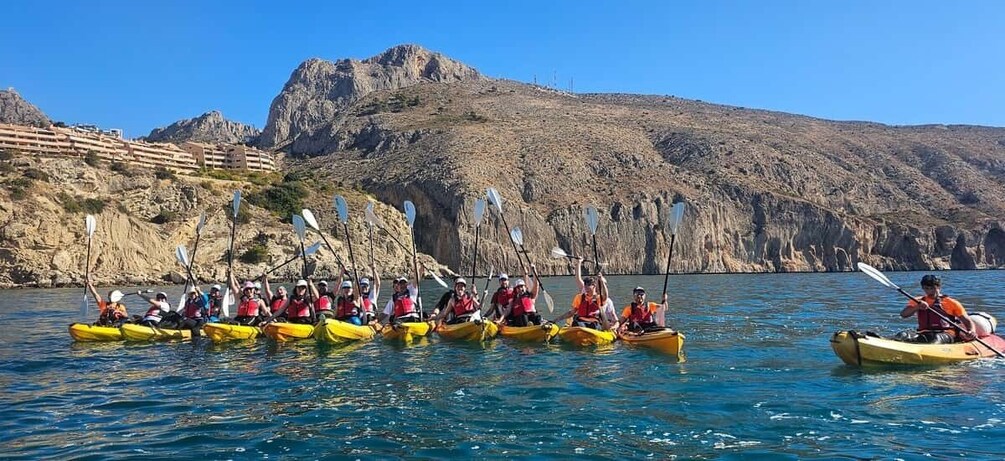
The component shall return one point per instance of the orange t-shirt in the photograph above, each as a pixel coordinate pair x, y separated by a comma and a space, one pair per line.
627, 311
949, 305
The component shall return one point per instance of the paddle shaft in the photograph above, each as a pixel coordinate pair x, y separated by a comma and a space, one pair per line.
402, 246
284, 264
191, 261
666, 276
951, 323
369, 229
87, 272
474, 257
352, 258
230, 254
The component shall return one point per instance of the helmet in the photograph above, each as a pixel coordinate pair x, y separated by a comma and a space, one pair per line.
161, 294
519, 283
931, 280
460, 281
401, 279
639, 289
323, 282
503, 277
364, 282
115, 296
217, 287
301, 283
190, 290
346, 284
248, 285
258, 285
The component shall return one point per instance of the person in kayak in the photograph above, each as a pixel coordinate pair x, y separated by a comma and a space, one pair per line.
111, 313
275, 300
347, 305
250, 308
587, 305
215, 311
195, 309
159, 307
521, 311
369, 295
641, 316
324, 300
461, 306
298, 307
403, 305
501, 298
933, 329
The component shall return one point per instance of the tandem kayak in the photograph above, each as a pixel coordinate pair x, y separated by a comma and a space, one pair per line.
530, 333
407, 331
330, 331
582, 336
133, 332
220, 332
666, 341
469, 331
86, 332
855, 348
282, 331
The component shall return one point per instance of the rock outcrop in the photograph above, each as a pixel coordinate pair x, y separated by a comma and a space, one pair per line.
318, 91
17, 111
210, 127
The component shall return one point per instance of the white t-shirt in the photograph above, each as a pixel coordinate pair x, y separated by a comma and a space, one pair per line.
413, 293
156, 317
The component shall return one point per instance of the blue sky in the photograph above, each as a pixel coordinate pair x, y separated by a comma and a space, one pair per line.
142, 64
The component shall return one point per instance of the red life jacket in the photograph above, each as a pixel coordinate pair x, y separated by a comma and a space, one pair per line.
277, 302
367, 304
502, 296
248, 307
298, 308
154, 313
641, 315
345, 308
403, 304
930, 321
523, 305
192, 309
324, 303
463, 305
587, 308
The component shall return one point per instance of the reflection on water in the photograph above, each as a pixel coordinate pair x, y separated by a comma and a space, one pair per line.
760, 380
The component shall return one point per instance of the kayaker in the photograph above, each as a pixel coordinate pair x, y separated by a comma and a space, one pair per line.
462, 304
298, 307
369, 296
276, 300
215, 303
641, 316
522, 311
195, 310
158, 308
501, 298
931, 328
250, 308
347, 305
111, 313
586, 306
324, 300
403, 305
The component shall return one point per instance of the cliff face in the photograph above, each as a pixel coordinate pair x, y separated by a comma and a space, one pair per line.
43, 243
15, 110
764, 191
210, 127
318, 91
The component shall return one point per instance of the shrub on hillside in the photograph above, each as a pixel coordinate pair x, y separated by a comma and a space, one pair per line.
164, 173
6, 155
77, 204
254, 255
92, 159
37, 174
283, 200
19, 187
120, 168
165, 216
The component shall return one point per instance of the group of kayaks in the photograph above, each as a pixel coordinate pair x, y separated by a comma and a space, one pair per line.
335, 332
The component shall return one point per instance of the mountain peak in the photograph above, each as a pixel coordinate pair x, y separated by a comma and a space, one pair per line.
16, 110
209, 127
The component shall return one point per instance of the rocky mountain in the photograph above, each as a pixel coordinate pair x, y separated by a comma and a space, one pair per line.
16, 110
764, 191
210, 127
319, 91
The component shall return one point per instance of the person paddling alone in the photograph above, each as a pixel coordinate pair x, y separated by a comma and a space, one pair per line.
111, 313
932, 328
641, 316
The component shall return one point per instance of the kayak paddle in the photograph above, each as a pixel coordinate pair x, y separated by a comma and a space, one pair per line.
374, 220
228, 297
89, 225
516, 235
676, 214
342, 208
559, 253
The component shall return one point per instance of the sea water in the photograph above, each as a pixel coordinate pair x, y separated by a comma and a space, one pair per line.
760, 381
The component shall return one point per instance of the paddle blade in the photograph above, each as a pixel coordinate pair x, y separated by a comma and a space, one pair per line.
236, 202
313, 248
494, 198
83, 307
676, 214
438, 279
202, 223
299, 226
517, 235
410, 212
479, 211
877, 275
181, 254
592, 218
558, 253
371, 217
90, 224
310, 219
228, 300
549, 302
342, 208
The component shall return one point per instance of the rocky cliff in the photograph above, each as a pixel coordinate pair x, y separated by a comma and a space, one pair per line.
318, 91
142, 218
15, 110
210, 127
765, 191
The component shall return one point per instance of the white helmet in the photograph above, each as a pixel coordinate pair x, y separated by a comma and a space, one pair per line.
115, 296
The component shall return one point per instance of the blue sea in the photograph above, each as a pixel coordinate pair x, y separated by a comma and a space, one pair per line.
760, 382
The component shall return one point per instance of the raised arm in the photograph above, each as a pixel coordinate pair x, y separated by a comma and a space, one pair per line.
232, 281
94, 293
537, 286
579, 275
266, 287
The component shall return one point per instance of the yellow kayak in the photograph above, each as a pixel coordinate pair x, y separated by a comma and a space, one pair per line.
407, 331
133, 332
666, 341
582, 336
282, 331
330, 331
220, 332
859, 349
469, 331
85, 332
531, 333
